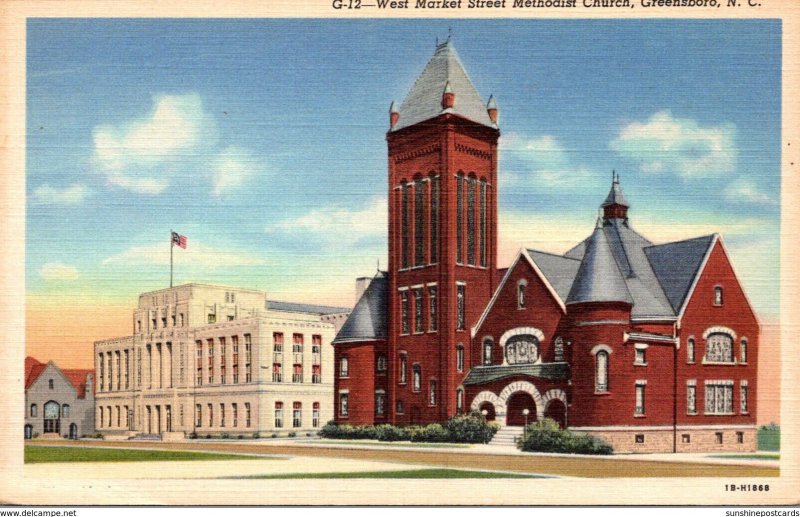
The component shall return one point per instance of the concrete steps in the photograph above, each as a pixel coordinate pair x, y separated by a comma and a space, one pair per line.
148, 437
507, 436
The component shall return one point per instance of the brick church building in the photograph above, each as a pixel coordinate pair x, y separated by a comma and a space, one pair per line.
652, 347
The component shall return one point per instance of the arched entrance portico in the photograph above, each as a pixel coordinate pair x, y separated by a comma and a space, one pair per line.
515, 398
488, 411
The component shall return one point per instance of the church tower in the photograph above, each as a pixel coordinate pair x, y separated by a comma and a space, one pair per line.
442, 164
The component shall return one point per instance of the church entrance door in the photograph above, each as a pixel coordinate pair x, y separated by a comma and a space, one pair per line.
516, 406
558, 412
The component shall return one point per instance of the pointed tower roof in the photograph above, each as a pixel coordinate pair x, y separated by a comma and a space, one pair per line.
599, 278
615, 195
424, 101
368, 322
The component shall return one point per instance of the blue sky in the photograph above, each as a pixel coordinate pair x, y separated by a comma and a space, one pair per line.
263, 141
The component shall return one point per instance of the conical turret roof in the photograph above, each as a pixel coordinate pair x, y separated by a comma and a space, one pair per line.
368, 322
599, 278
424, 101
615, 195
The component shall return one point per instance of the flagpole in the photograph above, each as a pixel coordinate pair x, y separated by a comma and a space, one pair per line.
171, 245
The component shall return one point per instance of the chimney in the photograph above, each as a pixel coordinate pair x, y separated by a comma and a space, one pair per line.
448, 97
394, 116
491, 108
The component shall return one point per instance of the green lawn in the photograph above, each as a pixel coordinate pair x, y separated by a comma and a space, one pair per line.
754, 456
769, 439
398, 474
397, 444
43, 454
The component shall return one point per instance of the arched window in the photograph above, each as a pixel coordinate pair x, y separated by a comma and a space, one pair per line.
718, 295
460, 218
743, 346
460, 358
719, 348
344, 367
34, 410
50, 384
521, 286
402, 374
380, 402
65, 411
522, 349
432, 392
488, 344
400, 408
405, 237
383, 363
690, 350
459, 401
601, 372
417, 380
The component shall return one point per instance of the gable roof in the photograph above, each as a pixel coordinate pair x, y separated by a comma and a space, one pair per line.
559, 270
33, 369
627, 247
677, 264
75, 376
424, 101
368, 321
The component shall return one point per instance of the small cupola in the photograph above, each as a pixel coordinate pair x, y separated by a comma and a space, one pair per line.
394, 115
615, 206
448, 97
491, 109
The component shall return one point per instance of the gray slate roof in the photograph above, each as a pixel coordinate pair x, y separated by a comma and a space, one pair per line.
627, 247
483, 374
560, 271
368, 321
676, 264
306, 308
599, 278
623, 265
424, 101
615, 195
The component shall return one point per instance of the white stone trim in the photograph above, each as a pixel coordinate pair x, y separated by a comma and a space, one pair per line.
601, 348
538, 334
641, 346
728, 382
461, 282
743, 382
719, 330
554, 394
691, 382
431, 284
641, 382
417, 286
500, 402
663, 427
403, 288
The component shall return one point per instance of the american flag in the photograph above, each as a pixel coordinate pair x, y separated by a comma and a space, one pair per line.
178, 239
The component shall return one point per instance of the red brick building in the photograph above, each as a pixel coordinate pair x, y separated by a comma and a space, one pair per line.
651, 347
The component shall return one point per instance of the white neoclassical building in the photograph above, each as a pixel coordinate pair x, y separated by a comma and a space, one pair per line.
217, 360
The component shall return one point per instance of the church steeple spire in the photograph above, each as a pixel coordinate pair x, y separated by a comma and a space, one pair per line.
615, 206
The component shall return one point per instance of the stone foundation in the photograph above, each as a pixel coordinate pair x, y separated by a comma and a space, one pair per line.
692, 439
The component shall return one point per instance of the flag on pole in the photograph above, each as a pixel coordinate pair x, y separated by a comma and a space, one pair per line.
178, 239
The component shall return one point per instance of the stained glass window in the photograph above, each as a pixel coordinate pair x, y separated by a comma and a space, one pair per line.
482, 205
471, 221
719, 348
418, 323
419, 223
432, 315
459, 219
434, 225
405, 223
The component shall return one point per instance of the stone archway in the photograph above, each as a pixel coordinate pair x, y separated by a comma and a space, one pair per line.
500, 402
555, 406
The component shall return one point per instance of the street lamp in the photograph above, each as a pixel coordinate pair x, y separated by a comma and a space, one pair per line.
525, 412
484, 412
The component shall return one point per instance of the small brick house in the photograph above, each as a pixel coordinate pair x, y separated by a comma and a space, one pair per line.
652, 347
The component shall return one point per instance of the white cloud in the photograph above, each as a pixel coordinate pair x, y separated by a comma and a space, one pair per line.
681, 146
72, 195
55, 271
232, 167
142, 154
340, 225
745, 189
196, 254
547, 161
